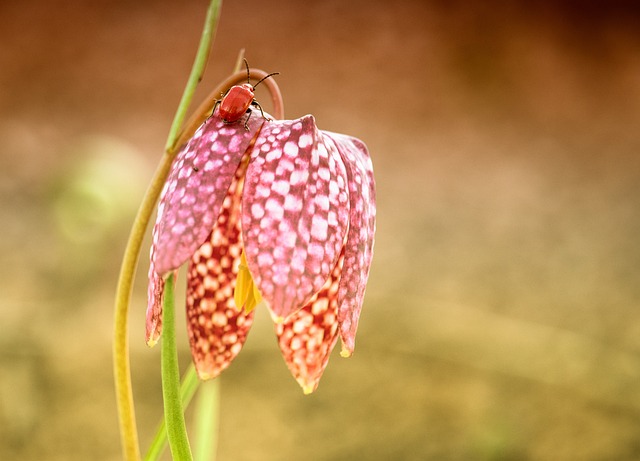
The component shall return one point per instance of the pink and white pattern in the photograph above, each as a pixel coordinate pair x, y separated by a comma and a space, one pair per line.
217, 328
305, 219
296, 213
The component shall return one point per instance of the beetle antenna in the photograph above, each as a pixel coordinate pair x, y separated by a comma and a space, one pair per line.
264, 78
246, 64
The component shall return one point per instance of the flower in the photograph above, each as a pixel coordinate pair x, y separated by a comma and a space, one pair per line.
280, 212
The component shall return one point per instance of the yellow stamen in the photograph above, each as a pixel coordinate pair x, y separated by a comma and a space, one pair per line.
256, 294
246, 293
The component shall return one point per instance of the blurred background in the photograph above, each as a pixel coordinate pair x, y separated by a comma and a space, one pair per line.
502, 316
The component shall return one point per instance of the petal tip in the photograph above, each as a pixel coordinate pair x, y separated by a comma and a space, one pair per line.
277, 319
345, 351
152, 336
205, 376
308, 388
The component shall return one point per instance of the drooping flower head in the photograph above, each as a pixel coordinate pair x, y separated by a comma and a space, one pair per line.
276, 211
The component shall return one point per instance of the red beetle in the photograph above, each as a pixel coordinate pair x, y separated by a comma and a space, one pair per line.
236, 101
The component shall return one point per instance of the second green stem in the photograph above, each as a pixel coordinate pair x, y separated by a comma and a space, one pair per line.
173, 410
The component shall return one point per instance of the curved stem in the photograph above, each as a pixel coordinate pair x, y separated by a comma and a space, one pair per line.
121, 366
122, 371
173, 410
239, 61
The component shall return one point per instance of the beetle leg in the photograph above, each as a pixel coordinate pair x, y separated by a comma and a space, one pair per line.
257, 104
246, 126
216, 104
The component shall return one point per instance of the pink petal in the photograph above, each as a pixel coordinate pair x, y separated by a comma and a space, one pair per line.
362, 227
308, 336
154, 306
295, 213
217, 328
198, 182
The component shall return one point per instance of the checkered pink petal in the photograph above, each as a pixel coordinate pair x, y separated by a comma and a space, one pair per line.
154, 307
218, 328
362, 227
295, 212
198, 182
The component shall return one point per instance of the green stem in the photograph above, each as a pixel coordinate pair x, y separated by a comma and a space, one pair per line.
207, 420
121, 366
187, 390
173, 411
208, 35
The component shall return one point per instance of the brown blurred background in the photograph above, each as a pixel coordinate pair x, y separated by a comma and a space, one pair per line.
502, 316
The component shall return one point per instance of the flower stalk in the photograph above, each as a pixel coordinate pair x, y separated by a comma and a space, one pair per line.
207, 420
173, 410
176, 138
122, 368
188, 388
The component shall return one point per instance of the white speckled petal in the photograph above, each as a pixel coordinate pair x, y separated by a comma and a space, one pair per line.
197, 185
295, 211
308, 336
218, 328
360, 238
